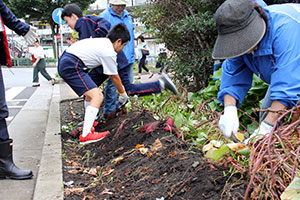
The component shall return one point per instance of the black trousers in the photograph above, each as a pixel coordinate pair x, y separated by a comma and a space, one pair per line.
142, 64
3, 110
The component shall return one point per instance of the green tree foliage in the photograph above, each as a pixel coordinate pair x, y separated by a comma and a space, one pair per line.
41, 10
187, 28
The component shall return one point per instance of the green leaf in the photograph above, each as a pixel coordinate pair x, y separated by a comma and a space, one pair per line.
178, 120
244, 152
216, 154
292, 192
212, 106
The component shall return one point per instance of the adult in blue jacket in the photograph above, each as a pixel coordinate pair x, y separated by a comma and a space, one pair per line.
116, 14
7, 166
262, 41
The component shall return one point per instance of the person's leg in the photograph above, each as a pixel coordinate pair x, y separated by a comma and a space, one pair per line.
145, 68
140, 68
74, 72
162, 66
7, 167
110, 97
130, 72
265, 105
98, 77
143, 64
42, 68
95, 97
166, 68
35, 78
144, 89
3, 111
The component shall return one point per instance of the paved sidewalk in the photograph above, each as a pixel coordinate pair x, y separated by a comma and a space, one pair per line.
37, 146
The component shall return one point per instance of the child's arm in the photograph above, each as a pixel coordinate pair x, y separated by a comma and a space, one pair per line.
117, 82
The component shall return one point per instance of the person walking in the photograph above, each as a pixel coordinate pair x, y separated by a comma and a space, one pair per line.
117, 13
8, 169
40, 65
161, 61
262, 41
143, 51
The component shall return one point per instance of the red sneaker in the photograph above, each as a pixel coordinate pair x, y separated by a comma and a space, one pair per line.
93, 137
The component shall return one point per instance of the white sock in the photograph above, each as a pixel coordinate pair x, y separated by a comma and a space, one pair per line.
86, 103
162, 84
89, 118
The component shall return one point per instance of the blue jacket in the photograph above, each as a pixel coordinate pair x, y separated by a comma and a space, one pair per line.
12, 22
114, 19
95, 26
92, 26
276, 61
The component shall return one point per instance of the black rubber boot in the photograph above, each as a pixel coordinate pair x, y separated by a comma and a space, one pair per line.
7, 167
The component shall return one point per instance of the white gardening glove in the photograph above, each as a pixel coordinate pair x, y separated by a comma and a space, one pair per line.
263, 129
229, 121
31, 35
123, 98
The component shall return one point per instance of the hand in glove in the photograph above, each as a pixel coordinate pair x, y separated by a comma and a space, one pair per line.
31, 35
263, 129
229, 121
123, 98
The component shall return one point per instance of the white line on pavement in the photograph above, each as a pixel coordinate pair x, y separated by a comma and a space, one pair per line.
11, 107
9, 118
18, 100
13, 92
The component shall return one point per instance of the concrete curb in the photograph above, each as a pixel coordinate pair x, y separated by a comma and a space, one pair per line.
49, 184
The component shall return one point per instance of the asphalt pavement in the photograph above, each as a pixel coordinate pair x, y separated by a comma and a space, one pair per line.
37, 144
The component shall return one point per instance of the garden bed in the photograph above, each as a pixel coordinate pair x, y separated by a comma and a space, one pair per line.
131, 164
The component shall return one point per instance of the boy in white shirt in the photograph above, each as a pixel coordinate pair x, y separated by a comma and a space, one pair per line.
90, 53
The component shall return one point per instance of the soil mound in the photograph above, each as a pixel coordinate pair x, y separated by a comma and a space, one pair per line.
134, 164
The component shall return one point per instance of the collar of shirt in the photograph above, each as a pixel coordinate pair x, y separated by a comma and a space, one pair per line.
112, 12
77, 25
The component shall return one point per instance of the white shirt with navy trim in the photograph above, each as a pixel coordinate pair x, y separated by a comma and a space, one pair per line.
94, 52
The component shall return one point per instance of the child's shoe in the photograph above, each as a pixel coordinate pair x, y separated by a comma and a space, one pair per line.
93, 137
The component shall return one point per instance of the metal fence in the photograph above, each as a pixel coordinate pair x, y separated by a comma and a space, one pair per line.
27, 61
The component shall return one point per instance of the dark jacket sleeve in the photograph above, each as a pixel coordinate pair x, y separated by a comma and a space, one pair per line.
92, 26
11, 21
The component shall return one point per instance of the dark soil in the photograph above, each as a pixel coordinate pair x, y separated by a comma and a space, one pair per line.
117, 168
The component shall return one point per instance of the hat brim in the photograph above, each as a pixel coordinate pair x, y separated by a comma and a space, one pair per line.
240, 42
